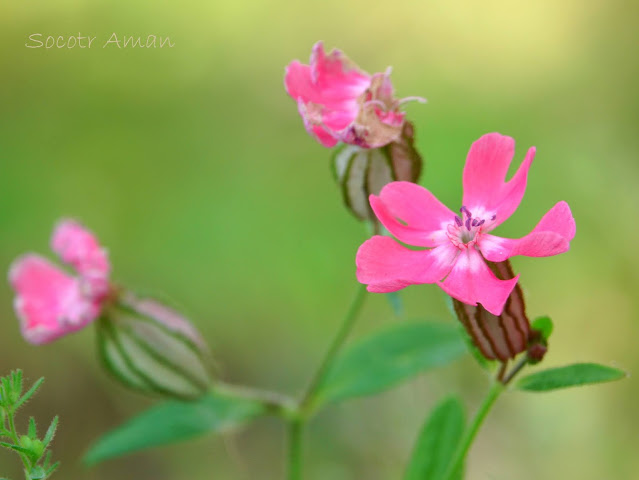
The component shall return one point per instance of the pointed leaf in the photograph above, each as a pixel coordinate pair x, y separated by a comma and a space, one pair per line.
30, 393
569, 376
437, 442
51, 431
52, 468
33, 432
17, 448
389, 357
173, 422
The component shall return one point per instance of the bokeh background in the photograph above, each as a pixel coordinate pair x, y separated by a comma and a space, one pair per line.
193, 167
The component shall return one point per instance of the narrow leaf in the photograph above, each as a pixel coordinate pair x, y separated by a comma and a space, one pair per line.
17, 448
33, 432
52, 468
437, 442
173, 422
30, 393
389, 357
50, 432
569, 376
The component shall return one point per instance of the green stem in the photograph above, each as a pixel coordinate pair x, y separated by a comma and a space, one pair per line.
460, 455
336, 345
295, 449
14, 437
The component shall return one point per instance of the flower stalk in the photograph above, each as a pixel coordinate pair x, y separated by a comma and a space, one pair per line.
460, 455
336, 345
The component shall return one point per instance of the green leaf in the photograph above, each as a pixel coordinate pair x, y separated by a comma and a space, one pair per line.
52, 469
33, 432
30, 393
543, 325
389, 357
569, 376
173, 422
437, 442
51, 431
17, 448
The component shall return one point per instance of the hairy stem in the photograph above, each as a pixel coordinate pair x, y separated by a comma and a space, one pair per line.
14, 437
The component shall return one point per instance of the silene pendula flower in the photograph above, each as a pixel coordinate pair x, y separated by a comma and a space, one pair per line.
51, 303
339, 102
459, 244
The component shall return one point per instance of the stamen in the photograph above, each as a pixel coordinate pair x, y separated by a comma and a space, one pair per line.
475, 222
411, 99
480, 223
458, 221
468, 224
377, 103
466, 211
493, 217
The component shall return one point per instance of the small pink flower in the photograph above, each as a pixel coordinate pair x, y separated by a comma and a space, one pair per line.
460, 243
340, 102
49, 302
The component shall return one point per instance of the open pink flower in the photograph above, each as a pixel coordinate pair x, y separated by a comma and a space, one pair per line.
460, 243
340, 102
49, 302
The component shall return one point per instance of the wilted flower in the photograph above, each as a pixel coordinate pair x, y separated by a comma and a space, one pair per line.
460, 243
51, 303
341, 103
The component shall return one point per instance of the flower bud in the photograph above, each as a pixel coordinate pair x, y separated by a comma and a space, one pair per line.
498, 337
151, 348
361, 172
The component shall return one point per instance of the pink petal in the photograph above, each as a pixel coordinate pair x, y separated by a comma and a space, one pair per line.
471, 281
336, 74
313, 122
485, 172
327, 92
49, 303
386, 266
551, 236
423, 218
78, 247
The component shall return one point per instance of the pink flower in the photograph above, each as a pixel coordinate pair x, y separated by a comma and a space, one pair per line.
49, 302
460, 243
341, 103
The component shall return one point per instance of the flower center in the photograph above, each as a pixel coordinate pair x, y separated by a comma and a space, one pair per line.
465, 229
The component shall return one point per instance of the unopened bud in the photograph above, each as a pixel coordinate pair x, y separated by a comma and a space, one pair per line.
498, 337
361, 172
152, 348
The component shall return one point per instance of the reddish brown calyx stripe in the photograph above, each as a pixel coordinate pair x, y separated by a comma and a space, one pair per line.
498, 337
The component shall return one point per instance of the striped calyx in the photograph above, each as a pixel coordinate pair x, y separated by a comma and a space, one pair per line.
501, 337
151, 348
361, 172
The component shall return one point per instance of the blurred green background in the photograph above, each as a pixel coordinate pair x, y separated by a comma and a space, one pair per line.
192, 165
